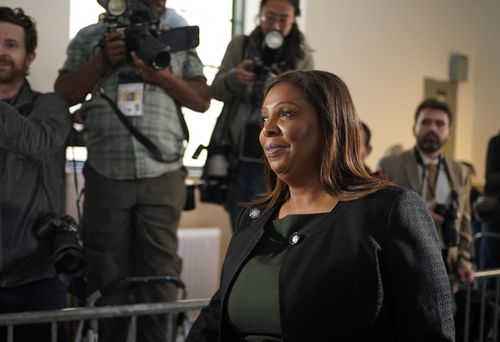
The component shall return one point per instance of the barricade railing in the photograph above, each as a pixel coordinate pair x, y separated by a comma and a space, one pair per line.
482, 311
53, 317
482, 299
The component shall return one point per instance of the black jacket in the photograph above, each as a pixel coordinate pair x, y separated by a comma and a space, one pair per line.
371, 270
33, 132
493, 166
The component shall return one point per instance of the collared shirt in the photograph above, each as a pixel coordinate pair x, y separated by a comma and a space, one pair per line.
173, 19
112, 150
442, 194
443, 189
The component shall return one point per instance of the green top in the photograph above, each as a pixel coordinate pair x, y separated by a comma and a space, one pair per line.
253, 304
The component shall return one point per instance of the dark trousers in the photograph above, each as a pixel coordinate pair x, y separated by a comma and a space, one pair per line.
489, 247
129, 230
47, 294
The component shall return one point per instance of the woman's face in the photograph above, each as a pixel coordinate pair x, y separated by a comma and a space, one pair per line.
291, 134
277, 15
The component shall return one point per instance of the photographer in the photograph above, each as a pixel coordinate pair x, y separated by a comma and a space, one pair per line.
248, 62
441, 181
133, 201
489, 211
33, 130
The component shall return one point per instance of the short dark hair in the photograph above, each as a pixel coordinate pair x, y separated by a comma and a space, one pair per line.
432, 103
16, 16
368, 133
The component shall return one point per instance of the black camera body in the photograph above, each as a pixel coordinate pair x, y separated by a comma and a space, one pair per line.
449, 231
143, 36
268, 59
62, 233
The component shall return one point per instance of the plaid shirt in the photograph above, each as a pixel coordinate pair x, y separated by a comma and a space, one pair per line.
112, 150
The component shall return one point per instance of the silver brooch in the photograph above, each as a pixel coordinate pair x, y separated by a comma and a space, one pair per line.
254, 213
294, 239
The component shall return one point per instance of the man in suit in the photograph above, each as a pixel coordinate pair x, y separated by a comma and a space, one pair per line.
441, 181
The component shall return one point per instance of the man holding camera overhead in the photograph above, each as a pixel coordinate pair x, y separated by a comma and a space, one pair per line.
33, 130
133, 197
274, 46
443, 183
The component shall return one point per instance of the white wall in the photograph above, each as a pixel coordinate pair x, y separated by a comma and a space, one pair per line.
52, 18
384, 49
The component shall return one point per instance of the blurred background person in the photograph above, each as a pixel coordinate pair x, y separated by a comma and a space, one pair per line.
274, 46
133, 198
33, 131
489, 212
441, 181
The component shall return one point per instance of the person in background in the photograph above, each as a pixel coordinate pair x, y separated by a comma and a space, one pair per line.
475, 192
329, 253
33, 130
247, 63
441, 181
133, 201
490, 256
366, 147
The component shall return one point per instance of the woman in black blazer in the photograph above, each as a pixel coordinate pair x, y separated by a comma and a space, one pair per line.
328, 253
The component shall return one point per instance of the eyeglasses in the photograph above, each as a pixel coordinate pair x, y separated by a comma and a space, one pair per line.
272, 18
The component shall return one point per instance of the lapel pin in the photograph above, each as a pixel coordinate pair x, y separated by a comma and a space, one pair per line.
254, 213
294, 239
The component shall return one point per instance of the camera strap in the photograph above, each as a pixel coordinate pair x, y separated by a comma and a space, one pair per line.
441, 161
153, 150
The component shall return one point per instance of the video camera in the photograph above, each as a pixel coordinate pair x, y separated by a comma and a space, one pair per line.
143, 34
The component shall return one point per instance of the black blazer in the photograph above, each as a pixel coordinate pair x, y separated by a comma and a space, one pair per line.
370, 270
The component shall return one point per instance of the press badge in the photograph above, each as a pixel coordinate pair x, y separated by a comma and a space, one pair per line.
130, 98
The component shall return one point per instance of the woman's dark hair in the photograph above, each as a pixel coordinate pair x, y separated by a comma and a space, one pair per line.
342, 172
294, 3
16, 16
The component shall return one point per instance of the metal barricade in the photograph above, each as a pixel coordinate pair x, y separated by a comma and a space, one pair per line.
129, 283
482, 299
175, 312
485, 319
54, 317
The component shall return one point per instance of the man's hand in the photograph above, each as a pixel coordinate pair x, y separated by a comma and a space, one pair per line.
465, 273
438, 219
243, 75
193, 93
115, 48
149, 74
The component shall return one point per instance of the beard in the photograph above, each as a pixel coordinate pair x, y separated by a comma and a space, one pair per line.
10, 71
429, 143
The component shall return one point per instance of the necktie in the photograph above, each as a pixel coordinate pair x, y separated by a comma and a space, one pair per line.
431, 182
